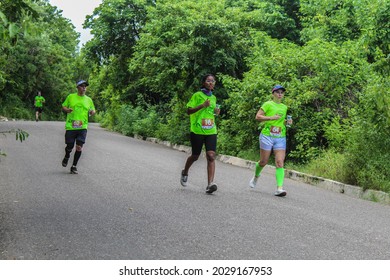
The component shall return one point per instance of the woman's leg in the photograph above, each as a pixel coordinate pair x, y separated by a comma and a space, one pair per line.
279, 161
265, 153
211, 147
190, 160
196, 149
210, 155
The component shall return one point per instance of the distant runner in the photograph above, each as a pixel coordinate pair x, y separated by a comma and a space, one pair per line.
78, 107
38, 103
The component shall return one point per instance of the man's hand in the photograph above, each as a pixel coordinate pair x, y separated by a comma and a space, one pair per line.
67, 110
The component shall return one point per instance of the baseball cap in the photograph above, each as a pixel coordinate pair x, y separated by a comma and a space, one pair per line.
82, 82
278, 87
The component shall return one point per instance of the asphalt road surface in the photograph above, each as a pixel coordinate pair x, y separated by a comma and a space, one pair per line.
127, 203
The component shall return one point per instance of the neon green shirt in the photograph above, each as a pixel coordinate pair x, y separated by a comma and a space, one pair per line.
81, 105
274, 128
203, 121
39, 101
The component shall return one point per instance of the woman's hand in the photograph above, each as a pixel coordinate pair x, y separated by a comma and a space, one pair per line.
206, 103
276, 117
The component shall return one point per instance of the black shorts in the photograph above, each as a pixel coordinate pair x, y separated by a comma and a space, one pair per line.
38, 109
76, 135
197, 141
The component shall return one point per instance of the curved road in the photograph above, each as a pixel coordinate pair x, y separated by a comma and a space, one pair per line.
127, 203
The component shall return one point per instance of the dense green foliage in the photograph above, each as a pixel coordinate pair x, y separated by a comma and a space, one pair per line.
38, 52
146, 59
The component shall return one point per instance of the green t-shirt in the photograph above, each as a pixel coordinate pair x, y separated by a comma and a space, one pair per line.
274, 128
39, 101
203, 121
81, 106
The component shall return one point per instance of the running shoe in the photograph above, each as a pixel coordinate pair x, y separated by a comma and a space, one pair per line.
65, 161
183, 179
211, 188
73, 170
253, 182
280, 192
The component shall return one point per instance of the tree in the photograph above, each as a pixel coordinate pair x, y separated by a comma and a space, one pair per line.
116, 26
368, 148
365, 21
278, 18
40, 59
323, 81
173, 52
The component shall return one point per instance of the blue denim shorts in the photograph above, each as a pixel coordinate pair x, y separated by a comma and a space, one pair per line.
268, 142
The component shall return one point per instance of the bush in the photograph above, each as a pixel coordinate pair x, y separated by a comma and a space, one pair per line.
108, 119
137, 121
330, 164
369, 143
175, 123
148, 124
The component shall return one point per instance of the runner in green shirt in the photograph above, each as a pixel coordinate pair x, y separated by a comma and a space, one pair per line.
202, 109
273, 137
78, 108
38, 103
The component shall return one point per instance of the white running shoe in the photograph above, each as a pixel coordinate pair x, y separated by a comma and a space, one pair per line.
253, 182
183, 179
280, 192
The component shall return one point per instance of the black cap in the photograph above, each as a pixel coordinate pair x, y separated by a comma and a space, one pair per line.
82, 82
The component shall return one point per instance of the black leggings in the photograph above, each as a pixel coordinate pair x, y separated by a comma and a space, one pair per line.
197, 141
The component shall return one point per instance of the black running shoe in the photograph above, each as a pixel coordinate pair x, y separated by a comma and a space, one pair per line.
211, 188
73, 170
183, 179
65, 161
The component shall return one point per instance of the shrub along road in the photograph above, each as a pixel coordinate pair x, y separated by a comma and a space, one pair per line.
127, 203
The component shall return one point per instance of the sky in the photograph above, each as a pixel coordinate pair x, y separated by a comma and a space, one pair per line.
76, 11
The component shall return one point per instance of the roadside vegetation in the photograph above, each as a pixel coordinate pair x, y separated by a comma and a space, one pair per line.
142, 65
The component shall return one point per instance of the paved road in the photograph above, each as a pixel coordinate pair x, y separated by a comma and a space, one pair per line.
127, 203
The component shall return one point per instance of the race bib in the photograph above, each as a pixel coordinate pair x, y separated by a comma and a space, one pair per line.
207, 123
275, 130
77, 124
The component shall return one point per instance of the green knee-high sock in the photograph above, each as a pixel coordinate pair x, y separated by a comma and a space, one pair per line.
279, 174
258, 169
